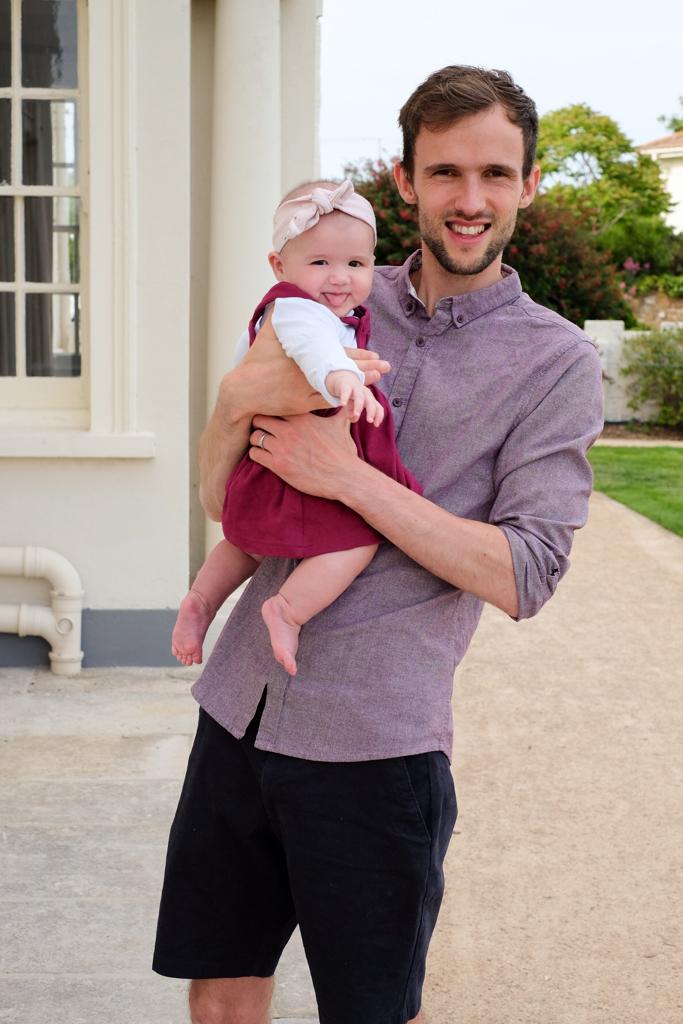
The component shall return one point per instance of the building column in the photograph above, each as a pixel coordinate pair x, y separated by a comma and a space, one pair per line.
246, 174
300, 90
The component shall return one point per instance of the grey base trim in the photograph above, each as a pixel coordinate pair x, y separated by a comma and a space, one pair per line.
110, 637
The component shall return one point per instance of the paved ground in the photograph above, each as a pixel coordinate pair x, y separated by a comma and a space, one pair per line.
563, 902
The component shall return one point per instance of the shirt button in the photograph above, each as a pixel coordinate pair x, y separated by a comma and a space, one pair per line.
397, 403
420, 342
460, 319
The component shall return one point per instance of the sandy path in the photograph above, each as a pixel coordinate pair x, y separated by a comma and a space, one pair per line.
564, 878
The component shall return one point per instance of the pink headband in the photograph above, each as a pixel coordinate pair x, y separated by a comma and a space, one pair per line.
295, 216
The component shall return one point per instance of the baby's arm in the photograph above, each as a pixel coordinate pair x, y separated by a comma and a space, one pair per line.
345, 386
314, 338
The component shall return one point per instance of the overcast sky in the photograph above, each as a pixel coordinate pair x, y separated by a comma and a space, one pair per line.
625, 61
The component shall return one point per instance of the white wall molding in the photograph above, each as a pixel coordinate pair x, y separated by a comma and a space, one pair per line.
112, 216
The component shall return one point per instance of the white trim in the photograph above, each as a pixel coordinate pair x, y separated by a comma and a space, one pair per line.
113, 261
75, 444
107, 127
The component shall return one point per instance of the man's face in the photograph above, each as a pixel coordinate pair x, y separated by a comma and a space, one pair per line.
467, 185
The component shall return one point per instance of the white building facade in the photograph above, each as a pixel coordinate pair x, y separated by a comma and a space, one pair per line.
668, 153
143, 147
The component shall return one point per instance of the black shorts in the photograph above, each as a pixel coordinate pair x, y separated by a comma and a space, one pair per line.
352, 852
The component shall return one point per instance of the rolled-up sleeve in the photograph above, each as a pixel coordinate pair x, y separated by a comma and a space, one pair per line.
543, 478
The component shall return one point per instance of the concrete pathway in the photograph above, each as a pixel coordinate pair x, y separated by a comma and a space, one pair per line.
563, 903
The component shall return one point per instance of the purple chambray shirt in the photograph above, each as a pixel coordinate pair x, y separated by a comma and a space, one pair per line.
496, 400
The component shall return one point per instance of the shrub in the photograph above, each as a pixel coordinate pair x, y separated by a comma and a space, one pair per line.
554, 249
397, 232
639, 245
670, 284
654, 362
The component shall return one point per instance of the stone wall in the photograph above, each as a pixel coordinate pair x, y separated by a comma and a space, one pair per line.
657, 310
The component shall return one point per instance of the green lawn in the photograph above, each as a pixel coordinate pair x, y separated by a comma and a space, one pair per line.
649, 480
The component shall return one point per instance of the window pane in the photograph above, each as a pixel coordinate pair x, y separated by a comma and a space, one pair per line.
52, 239
48, 44
6, 238
8, 366
50, 146
5, 43
52, 336
5, 137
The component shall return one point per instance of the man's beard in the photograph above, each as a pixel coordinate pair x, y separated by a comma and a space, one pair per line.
430, 232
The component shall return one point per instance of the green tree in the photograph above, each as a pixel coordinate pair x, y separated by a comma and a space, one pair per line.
590, 164
675, 122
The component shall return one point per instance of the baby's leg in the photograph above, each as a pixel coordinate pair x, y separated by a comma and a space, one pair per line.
313, 585
223, 571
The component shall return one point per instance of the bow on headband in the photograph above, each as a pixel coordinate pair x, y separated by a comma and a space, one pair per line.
295, 216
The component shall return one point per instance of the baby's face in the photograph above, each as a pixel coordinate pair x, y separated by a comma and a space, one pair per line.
333, 262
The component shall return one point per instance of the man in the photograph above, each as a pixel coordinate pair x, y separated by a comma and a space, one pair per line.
327, 799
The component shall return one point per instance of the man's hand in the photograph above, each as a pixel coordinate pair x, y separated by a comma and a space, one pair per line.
352, 395
312, 453
370, 363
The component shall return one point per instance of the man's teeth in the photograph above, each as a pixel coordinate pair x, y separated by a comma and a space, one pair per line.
475, 229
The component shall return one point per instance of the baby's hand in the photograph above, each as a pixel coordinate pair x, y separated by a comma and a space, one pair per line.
345, 386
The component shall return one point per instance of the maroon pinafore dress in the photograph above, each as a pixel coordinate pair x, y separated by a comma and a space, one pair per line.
263, 515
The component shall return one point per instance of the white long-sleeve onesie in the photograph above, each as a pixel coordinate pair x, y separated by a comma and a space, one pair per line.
314, 338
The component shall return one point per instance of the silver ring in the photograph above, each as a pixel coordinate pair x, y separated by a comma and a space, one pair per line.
261, 439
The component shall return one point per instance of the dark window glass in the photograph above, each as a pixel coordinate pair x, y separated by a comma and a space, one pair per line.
51, 238
5, 142
50, 143
48, 44
6, 238
8, 367
5, 43
52, 336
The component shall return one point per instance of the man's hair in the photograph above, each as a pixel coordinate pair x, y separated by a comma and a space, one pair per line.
457, 91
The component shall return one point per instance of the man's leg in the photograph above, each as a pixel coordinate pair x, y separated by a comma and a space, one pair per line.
226, 910
231, 1000
365, 846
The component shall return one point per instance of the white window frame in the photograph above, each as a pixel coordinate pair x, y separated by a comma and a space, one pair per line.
106, 426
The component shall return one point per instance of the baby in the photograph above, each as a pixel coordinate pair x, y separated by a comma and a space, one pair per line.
323, 256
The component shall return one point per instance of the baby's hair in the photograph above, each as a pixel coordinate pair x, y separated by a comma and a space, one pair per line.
308, 186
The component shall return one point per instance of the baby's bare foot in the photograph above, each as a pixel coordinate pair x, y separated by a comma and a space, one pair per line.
283, 630
194, 618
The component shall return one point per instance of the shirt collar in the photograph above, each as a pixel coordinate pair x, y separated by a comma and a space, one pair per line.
462, 308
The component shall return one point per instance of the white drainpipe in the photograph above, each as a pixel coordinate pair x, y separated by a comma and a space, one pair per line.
60, 624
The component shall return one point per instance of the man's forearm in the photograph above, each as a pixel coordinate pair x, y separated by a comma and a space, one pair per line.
468, 554
221, 446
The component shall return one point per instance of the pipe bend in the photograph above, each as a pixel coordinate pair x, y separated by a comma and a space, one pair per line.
42, 563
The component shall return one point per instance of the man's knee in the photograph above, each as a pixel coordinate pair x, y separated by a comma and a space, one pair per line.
231, 1000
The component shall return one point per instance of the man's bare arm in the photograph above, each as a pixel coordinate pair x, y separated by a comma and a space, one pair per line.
267, 382
318, 456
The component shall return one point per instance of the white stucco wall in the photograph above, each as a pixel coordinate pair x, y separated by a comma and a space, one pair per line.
124, 522
670, 163
211, 113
